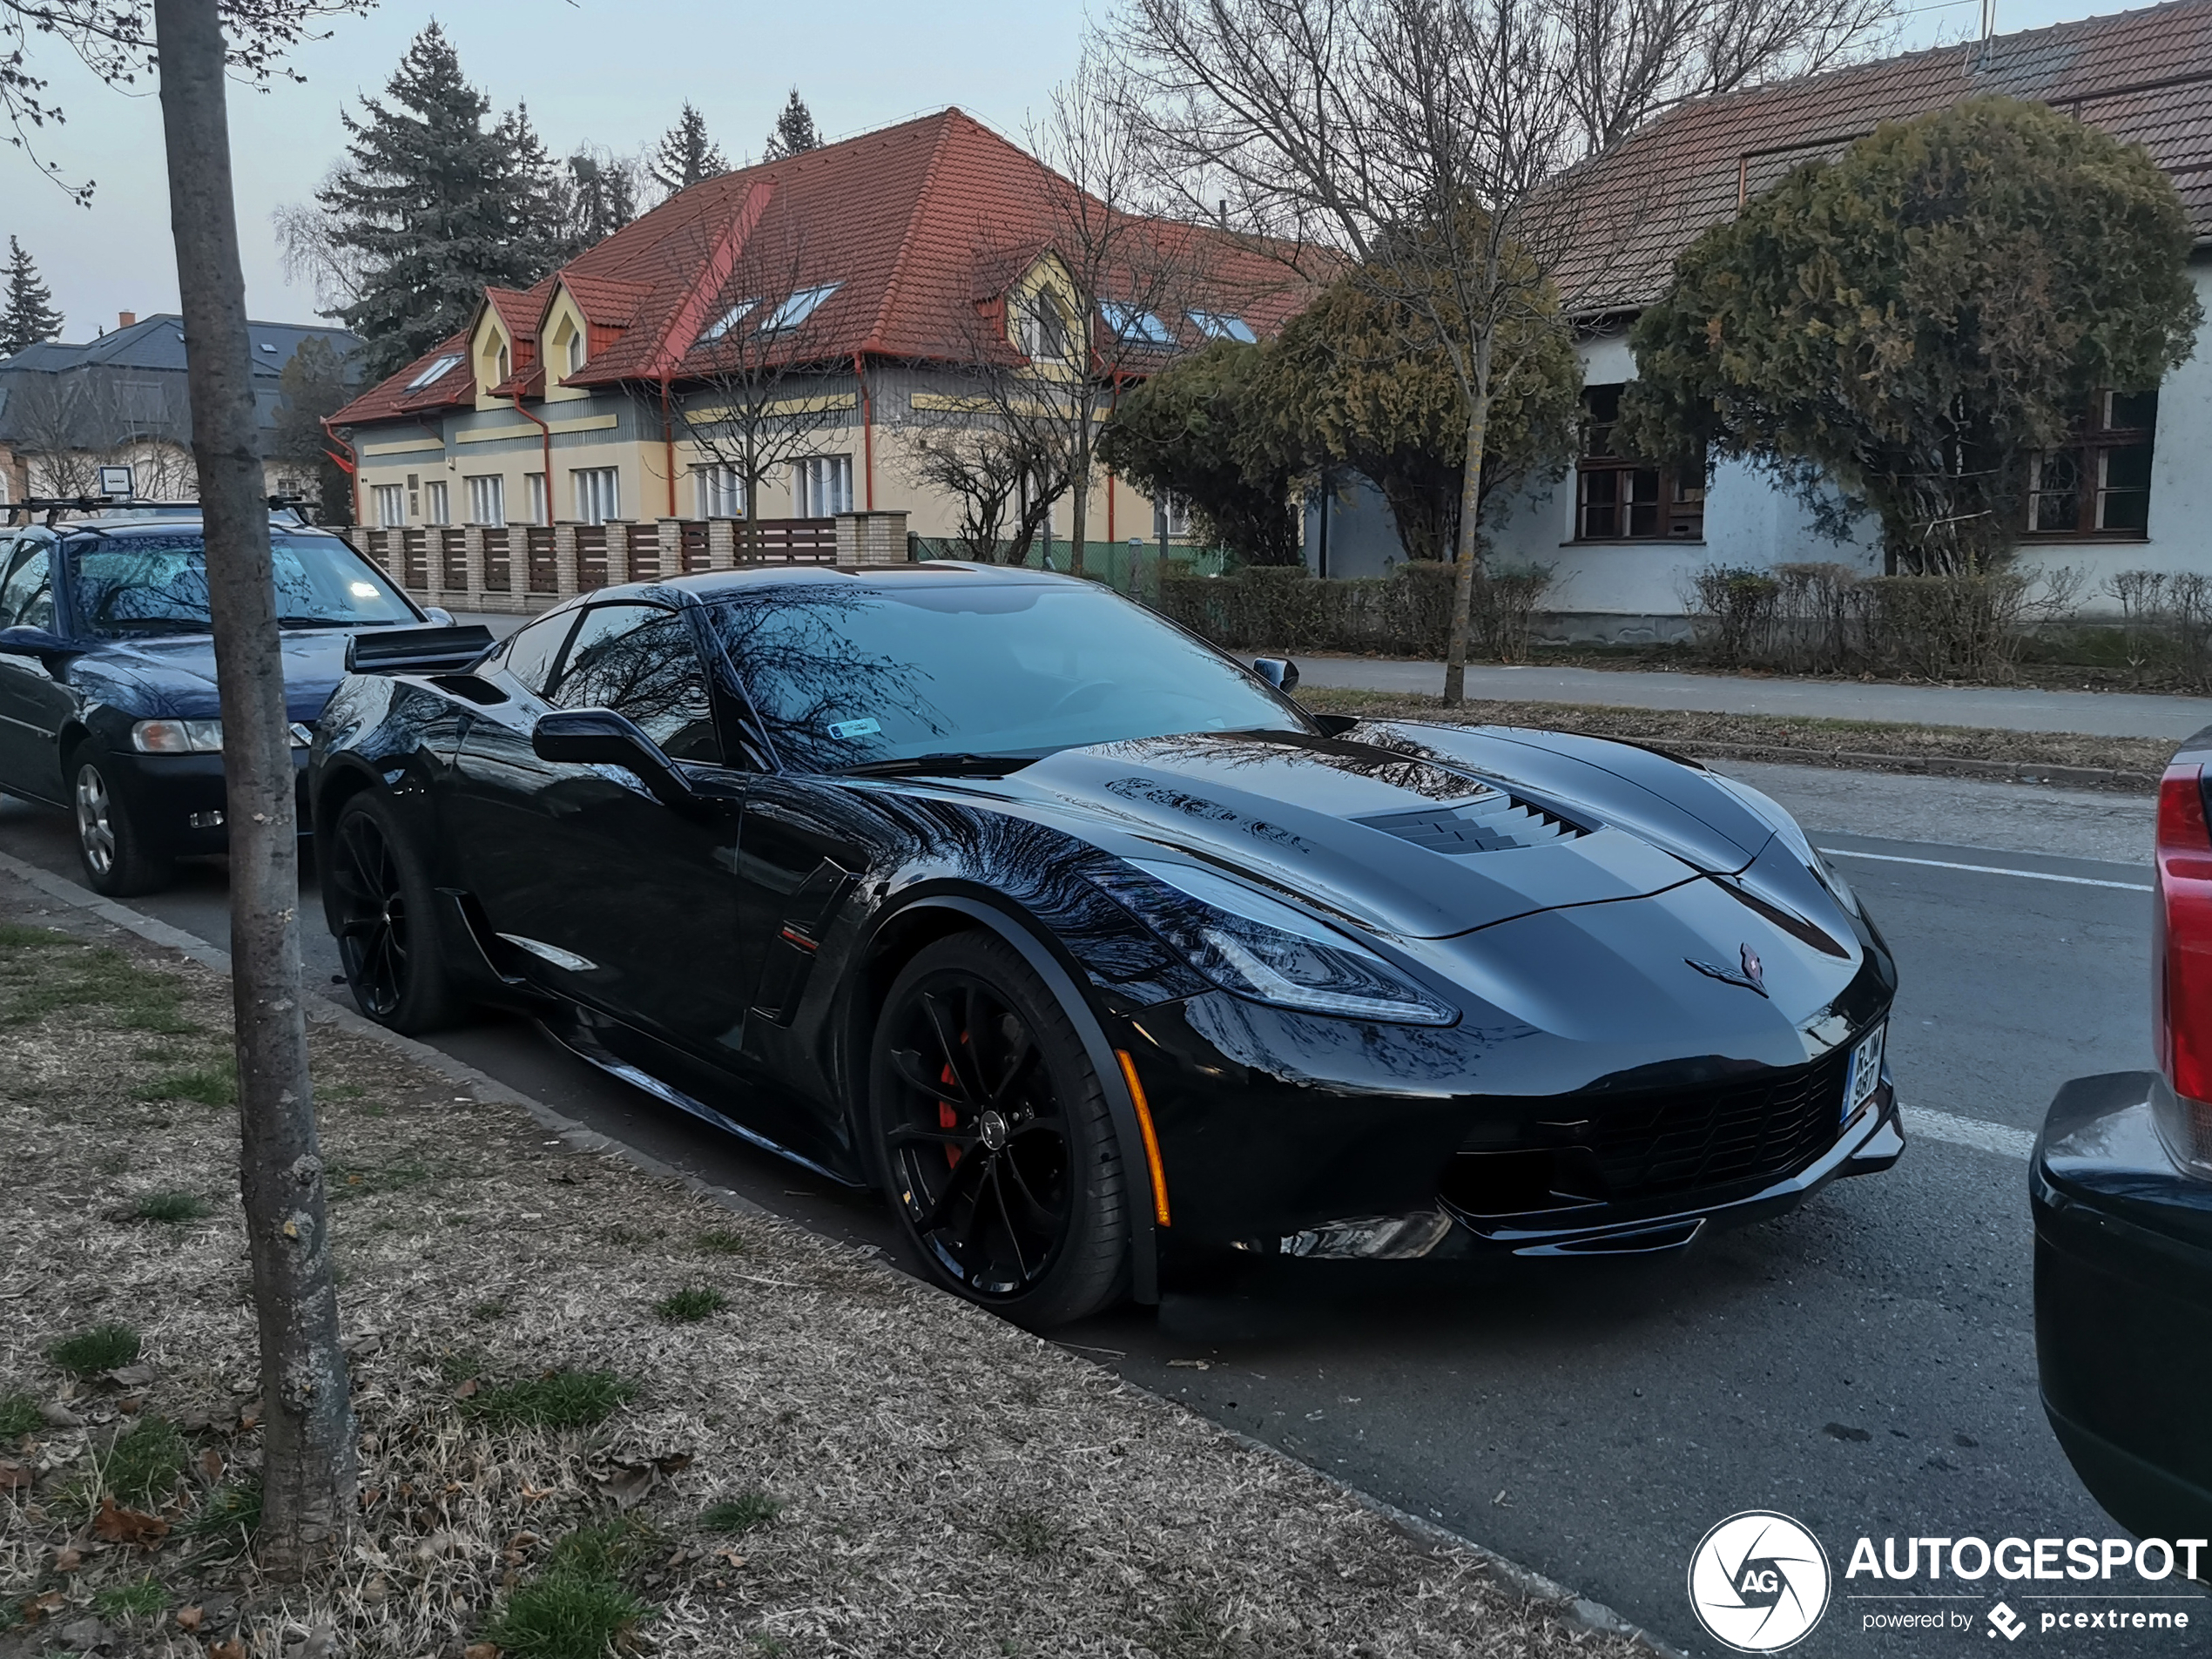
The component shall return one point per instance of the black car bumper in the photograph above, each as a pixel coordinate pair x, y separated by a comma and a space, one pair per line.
178, 802
2123, 1305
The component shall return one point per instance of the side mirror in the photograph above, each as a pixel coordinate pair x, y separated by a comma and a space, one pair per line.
1278, 671
603, 737
42, 642
439, 616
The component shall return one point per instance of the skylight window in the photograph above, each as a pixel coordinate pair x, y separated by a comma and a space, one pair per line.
1222, 324
729, 319
795, 310
1143, 328
437, 366
266, 345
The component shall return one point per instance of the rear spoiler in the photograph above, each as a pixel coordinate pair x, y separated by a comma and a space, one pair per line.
416, 650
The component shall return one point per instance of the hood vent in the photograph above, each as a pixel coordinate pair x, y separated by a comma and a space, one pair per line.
1487, 826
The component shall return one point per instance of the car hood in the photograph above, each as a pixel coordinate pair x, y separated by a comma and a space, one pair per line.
174, 677
1426, 832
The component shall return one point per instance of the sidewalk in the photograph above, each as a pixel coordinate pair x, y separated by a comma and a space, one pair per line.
2090, 713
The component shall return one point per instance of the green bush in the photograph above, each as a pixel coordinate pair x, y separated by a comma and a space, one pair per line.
579, 1606
1406, 612
102, 1348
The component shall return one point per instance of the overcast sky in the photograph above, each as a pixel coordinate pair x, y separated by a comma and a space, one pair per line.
611, 73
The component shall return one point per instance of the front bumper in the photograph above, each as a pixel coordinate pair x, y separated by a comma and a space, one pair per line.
178, 802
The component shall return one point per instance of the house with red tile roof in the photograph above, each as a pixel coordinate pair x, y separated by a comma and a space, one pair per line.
2135, 493
865, 284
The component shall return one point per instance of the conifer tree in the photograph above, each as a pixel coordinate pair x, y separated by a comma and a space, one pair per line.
794, 132
434, 203
686, 155
602, 197
27, 313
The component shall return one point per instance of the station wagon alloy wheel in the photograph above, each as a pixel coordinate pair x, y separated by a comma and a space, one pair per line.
95, 821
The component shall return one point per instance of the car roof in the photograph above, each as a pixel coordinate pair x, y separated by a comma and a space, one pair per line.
704, 587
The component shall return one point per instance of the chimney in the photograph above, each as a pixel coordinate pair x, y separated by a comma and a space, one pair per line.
126, 318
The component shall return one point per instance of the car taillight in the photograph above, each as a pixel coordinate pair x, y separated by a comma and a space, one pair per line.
2181, 967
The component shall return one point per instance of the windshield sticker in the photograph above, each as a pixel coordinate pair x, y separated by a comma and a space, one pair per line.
854, 728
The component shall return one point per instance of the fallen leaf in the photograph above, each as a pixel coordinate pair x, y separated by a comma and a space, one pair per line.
14, 1474
38, 1606
233, 1649
468, 1390
673, 1462
60, 1416
130, 1375
120, 1526
190, 1618
533, 1493
249, 1414
68, 1558
730, 1556
210, 1465
629, 1483
129, 1404
480, 1650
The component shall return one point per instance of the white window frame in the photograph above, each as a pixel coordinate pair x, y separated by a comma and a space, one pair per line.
719, 491
821, 486
540, 509
576, 351
1044, 328
437, 503
595, 493
391, 505
487, 500
1175, 515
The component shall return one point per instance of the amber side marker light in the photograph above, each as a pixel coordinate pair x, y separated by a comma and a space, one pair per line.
1151, 1140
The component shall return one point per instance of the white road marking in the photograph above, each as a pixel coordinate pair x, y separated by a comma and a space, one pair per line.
1976, 1132
1989, 869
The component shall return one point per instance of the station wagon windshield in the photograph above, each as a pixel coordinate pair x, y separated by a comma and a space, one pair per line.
158, 584
846, 678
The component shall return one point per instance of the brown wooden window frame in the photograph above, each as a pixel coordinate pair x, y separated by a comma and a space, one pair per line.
2120, 426
1619, 498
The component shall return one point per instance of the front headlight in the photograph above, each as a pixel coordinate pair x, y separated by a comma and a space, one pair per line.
1257, 947
196, 736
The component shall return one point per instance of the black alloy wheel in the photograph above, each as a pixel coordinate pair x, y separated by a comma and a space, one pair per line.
994, 1134
381, 911
111, 843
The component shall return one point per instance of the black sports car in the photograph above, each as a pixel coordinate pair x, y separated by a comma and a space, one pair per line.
1080, 939
107, 675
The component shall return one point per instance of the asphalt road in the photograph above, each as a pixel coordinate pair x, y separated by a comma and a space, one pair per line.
1864, 1364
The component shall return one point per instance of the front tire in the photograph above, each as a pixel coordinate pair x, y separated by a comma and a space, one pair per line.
112, 843
994, 1135
384, 912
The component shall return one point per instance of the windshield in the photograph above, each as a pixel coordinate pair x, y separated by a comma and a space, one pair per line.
844, 677
158, 584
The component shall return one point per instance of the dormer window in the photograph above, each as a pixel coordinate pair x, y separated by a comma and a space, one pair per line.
576, 351
436, 367
505, 369
1043, 330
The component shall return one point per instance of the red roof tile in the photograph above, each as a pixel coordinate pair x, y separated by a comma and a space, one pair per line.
914, 224
2144, 76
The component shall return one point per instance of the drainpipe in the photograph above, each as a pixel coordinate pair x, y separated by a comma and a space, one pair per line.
349, 463
545, 433
668, 444
867, 434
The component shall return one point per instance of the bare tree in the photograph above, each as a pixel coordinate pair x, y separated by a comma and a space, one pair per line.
987, 468
1412, 135
762, 393
1628, 60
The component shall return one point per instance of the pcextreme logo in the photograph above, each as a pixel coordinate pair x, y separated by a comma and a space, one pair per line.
1758, 1581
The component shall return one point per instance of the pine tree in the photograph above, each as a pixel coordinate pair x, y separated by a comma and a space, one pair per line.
602, 198
27, 313
313, 384
686, 154
793, 131
434, 205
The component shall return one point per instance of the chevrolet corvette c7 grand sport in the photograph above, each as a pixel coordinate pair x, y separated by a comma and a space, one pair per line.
1087, 946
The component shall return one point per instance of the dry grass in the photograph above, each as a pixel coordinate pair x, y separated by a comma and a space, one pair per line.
844, 1462
1770, 737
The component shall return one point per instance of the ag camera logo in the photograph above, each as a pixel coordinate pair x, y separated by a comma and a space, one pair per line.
1758, 1581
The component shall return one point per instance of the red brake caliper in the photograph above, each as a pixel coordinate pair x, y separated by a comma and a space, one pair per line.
946, 1118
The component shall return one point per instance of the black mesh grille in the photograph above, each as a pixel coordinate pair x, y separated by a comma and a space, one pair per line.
1719, 1136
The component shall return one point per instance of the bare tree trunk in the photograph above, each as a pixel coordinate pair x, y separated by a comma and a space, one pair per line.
1468, 544
1079, 504
307, 1468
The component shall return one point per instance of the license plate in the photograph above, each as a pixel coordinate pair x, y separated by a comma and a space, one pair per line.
1865, 1070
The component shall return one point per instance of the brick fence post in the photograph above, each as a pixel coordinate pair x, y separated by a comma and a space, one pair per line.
564, 572
721, 543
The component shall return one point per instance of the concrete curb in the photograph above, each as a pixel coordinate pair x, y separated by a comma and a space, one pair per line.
2020, 772
1564, 1602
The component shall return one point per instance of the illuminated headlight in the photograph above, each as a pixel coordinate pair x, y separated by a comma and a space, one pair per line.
196, 736
1257, 947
